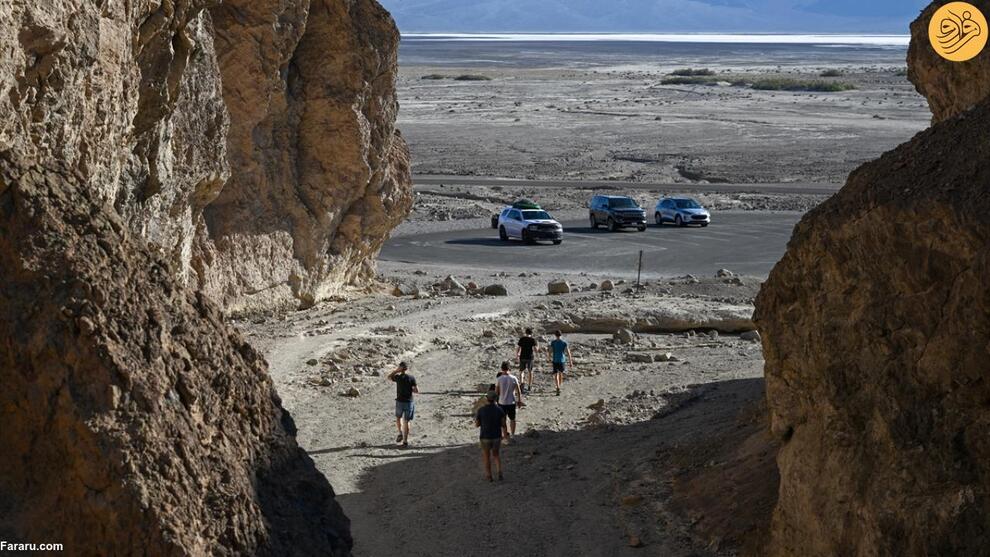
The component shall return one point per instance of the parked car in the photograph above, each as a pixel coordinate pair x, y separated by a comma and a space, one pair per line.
615, 212
529, 224
681, 211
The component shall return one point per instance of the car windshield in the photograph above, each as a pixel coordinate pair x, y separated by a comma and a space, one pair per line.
622, 203
687, 204
536, 215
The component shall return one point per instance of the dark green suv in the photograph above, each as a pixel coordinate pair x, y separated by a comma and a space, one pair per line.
615, 212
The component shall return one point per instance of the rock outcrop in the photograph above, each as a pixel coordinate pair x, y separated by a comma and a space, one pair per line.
319, 176
134, 419
876, 331
950, 87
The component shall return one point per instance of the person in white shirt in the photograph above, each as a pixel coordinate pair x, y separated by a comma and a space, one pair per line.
509, 397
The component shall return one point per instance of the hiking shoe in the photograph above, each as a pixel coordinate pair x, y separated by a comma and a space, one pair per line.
558, 392
500, 478
398, 438
405, 444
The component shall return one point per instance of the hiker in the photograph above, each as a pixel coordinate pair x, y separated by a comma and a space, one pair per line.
491, 419
509, 395
526, 350
405, 408
560, 356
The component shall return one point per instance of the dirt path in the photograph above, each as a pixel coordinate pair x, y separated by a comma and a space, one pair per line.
565, 481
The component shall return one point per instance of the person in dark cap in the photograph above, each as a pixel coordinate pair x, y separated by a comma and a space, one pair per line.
491, 419
405, 408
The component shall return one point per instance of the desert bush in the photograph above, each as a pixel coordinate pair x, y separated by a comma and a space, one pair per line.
691, 72
472, 77
785, 84
832, 73
434, 76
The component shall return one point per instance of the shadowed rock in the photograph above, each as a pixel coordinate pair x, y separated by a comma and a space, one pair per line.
876, 368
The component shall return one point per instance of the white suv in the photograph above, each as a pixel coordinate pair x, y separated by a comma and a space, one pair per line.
529, 224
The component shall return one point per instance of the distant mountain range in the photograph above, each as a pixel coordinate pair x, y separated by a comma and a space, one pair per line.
656, 16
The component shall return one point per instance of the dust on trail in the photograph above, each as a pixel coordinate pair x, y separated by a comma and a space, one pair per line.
566, 479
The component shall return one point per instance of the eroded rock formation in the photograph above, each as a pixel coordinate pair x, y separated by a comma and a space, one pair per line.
876, 329
319, 174
950, 88
134, 419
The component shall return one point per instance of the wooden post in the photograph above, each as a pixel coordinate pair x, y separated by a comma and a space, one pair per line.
639, 271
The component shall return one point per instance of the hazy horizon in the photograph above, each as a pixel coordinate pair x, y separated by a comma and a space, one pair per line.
880, 17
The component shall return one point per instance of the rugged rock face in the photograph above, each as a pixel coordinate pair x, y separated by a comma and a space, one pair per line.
299, 97
134, 419
950, 87
876, 328
320, 175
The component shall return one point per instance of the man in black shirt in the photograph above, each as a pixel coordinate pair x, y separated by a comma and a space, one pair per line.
526, 350
405, 408
491, 419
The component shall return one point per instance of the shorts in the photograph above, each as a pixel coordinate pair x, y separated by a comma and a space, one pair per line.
510, 410
526, 365
405, 409
490, 444
558, 367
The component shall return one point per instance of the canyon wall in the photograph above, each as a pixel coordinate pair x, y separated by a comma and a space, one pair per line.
162, 161
876, 328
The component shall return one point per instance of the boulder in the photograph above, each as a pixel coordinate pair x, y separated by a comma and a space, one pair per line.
640, 357
496, 290
724, 273
558, 287
607, 285
951, 88
751, 336
665, 357
624, 336
876, 369
351, 392
405, 290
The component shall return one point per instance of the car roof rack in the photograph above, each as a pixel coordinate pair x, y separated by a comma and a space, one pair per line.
526, 204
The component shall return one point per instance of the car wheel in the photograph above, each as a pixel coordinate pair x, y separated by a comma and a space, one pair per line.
659, 218
679, 221
611, 225
502, 234
641, 228
557, 242
594, 222
526, 238
495, 222
704, 225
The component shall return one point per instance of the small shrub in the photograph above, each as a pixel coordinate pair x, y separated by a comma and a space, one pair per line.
434, 76
818, 86
686, 80
472, 77
691, 72
832, 73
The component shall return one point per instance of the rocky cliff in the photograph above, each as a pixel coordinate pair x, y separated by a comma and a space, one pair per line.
134, 419
876, 333
319, 174
949, 88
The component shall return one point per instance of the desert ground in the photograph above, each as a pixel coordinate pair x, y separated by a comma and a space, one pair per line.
657, 444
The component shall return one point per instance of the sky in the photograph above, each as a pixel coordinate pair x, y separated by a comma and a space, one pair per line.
656, 16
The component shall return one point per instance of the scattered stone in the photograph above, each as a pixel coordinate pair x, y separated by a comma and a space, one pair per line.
634, 541
724, 273
559, 287
639, 357
472, 286
325, 382
624, 336
312, 362
665, 357
488, 334
713, 334
496, 290
405, 290
376, 373
607, 285
353, 392
598, 405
